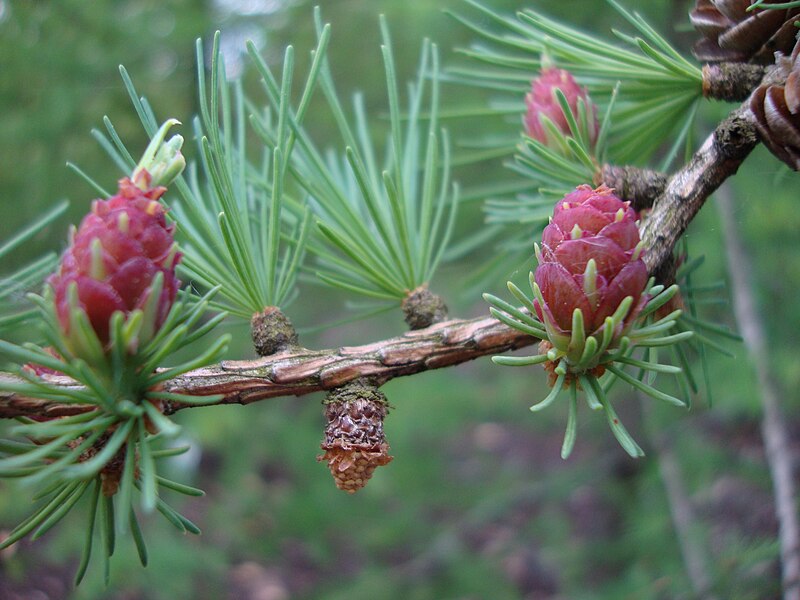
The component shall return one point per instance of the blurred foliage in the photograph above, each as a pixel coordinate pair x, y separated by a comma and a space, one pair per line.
477, 502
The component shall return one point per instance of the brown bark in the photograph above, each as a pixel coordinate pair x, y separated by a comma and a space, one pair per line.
638, 186
299, 371
730, 81
687, 190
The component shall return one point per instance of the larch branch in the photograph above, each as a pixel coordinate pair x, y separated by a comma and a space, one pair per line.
299, 371
688, 189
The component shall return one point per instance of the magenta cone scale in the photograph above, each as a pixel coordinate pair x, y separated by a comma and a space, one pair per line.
590, 259
114, 258
542, 102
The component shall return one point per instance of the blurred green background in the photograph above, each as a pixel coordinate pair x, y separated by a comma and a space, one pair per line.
477, 503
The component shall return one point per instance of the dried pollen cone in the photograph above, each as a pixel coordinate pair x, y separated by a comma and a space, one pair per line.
732, 33
355, 444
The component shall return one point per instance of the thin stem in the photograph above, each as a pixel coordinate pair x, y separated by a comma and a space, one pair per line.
773, 428
681, 509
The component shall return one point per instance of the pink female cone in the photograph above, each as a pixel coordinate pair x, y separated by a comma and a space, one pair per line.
542, 102
590, 259
115, 255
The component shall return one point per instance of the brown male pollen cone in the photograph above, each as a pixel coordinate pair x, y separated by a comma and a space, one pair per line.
355, 443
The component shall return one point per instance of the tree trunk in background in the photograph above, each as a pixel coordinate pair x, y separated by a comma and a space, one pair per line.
773, 430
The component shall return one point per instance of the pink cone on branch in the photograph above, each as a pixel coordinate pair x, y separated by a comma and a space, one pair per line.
590, 259
593, 304
114, 256
123, 255
541, 102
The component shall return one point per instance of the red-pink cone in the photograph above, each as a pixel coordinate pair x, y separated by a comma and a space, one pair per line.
114, 256
542, 102
590, 259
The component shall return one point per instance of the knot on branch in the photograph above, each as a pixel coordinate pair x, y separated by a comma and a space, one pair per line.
638, 186
422, 308
731, 82
272, 331
735, 137
355, 443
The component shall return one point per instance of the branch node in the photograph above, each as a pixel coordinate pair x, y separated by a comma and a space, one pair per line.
422, 308
731, 82
272, 331
735, 137
638, 186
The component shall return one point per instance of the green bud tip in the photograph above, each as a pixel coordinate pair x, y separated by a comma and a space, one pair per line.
168, 162
619, 216
96, 269
576, 233
123, 222
162, 161
169, 261
637, 252
590, 279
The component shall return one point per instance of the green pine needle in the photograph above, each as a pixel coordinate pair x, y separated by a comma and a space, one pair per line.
387, 221
520, 361
235, 229
551, 397
647, 389
762, 4
572, 423
74, 451
15, 312
647, 94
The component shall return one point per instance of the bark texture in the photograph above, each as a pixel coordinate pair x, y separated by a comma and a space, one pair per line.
688, 189
300, 371
731, 82
638, 186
